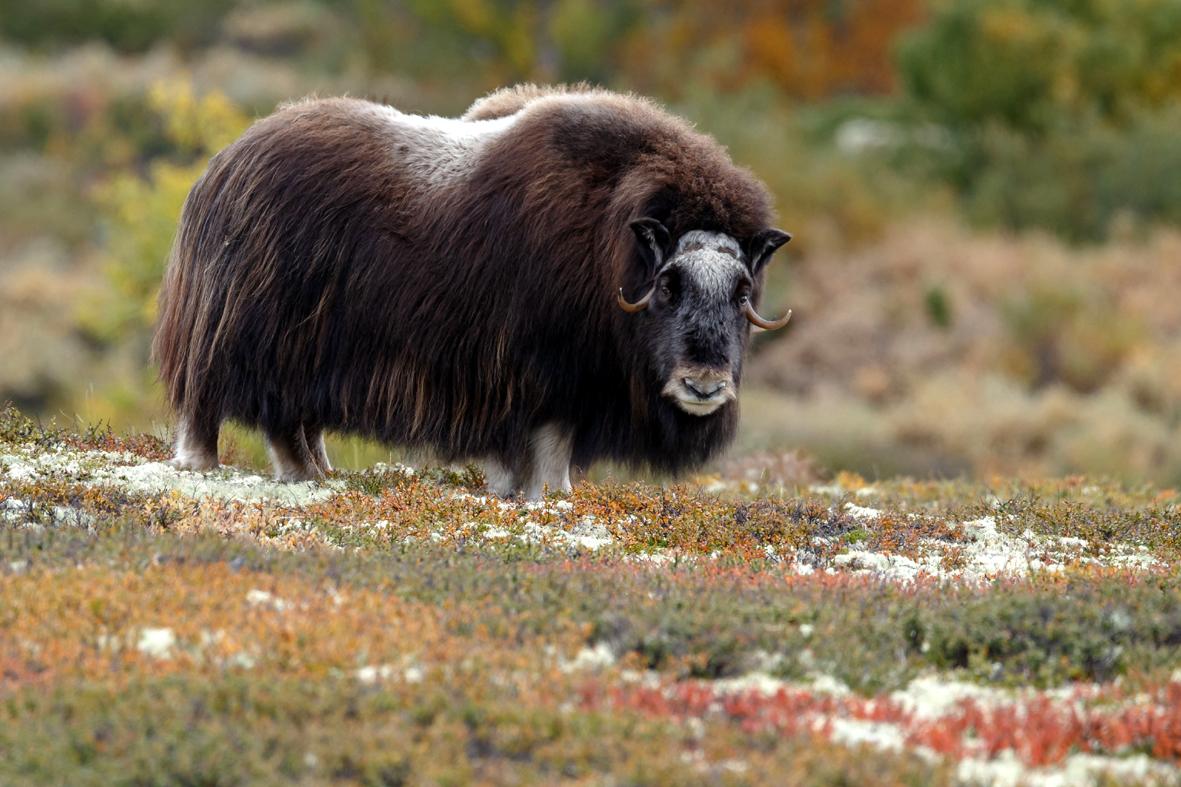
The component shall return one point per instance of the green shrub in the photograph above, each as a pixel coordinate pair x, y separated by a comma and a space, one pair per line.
128, 26
1058, 334
1060, 115
1025, 63
1079, 182
142, 211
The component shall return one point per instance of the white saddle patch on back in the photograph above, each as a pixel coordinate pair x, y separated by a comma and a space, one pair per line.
438, 150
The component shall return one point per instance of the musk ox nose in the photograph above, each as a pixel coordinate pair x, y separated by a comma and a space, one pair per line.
700, 390
706, 387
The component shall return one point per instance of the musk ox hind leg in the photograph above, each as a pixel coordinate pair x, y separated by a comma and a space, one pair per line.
550, 448
196, 444
314, 438
293, 458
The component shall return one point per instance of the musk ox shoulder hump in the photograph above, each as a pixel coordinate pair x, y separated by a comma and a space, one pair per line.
511, 100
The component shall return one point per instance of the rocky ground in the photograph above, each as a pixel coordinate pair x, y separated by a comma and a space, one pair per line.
398, 626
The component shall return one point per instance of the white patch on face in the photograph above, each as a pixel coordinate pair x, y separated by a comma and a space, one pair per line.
713, 260
439, 150
711, 240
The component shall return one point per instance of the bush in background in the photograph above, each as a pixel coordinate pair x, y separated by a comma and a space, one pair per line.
918, 349
1028, 63
127, 26
142, 211
1060, 116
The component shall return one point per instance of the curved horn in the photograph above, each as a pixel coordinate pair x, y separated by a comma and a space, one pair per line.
766, 325
638, 306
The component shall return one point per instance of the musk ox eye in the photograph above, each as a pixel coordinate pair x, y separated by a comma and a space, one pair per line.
664, 286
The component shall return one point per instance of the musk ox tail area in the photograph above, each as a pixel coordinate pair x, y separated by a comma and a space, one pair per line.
173, 346
283, 224
188, 307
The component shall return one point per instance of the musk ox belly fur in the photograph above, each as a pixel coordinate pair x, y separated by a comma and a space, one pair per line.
451, 284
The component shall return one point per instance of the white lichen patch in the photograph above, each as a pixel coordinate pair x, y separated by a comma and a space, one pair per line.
1077, 770
547, 523
985, 552
266, 600
598, 657
157, 643
978, 551
27, 514
136, 475
924, 702
1006, 769
589, 534
225, 483
31, 463
861, 512
756, 681
856, 732
583, 534
409, 672
374, 673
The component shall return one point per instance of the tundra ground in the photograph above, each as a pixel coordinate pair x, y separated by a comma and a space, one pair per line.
396, 626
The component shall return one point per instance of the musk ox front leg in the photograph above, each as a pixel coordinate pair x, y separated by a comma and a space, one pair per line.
551, 447
298, 454
498, 477
196, 444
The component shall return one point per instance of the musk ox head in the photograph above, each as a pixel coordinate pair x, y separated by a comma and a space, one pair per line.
696, 314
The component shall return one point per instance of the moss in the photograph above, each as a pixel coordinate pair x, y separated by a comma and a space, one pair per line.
464, 613
245, 730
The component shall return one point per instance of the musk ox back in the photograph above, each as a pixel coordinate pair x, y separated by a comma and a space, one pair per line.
556, 277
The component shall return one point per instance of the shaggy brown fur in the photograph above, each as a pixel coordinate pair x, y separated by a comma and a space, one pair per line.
333, 270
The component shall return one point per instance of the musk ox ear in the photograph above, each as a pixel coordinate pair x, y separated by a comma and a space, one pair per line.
654, 242
760, 248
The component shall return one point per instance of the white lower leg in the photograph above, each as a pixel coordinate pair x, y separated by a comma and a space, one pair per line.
498, 478
290, 458
192, 452
551, 449
315, 443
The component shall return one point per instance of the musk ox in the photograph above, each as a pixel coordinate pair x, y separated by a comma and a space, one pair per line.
560, 275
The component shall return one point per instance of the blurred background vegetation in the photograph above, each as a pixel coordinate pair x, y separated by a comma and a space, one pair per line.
985, 194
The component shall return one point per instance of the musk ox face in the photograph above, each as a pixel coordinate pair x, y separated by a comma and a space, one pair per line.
697, 314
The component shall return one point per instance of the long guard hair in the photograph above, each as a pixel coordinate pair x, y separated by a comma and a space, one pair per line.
343, 266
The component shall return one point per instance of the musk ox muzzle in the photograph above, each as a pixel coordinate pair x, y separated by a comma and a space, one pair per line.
700, 391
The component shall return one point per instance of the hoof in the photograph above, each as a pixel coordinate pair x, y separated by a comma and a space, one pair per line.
194, 464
